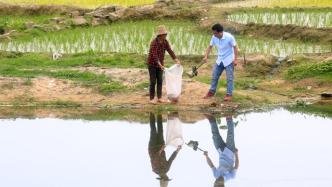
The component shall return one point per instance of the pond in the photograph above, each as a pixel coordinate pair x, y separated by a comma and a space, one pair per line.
275, 148
135, 37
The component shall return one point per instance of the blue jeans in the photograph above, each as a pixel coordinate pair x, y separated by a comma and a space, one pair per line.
218, 140
217, 71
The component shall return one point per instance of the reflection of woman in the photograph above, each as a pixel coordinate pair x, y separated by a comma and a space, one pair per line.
228, 154
160, 165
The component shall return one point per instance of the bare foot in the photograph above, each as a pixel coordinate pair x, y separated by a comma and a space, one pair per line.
161, 101
153, 102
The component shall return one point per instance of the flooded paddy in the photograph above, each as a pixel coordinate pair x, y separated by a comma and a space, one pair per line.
278, 3
135, 37
318, 18
276, 148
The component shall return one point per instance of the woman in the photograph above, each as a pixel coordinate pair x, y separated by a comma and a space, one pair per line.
159, 163
155, 62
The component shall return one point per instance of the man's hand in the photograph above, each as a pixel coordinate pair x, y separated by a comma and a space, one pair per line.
205, 59
235, 62
206, 153
177, 61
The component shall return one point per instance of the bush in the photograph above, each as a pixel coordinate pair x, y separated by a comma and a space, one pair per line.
310, 70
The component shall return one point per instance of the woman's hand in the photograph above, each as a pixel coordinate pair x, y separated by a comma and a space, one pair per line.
177, 61
178, 148
161, 66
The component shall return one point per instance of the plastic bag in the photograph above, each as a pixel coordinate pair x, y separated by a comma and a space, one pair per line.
174, 132
173, 76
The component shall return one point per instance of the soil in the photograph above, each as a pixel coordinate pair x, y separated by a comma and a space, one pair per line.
273, 90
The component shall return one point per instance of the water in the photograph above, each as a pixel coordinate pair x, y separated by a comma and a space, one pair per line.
318, 19
135, 37
275, 148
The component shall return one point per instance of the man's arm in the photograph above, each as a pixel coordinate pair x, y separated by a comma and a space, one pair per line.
236, 160
209, 161
236, 52
207, 53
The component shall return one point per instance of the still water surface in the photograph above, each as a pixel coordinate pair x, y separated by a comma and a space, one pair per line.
275, 148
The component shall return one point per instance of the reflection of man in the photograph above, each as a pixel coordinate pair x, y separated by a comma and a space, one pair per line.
160, 165
228, 154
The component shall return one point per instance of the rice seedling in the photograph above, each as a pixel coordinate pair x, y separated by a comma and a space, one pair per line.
135, 38
18, 22
278, 3
308, 18
81, 3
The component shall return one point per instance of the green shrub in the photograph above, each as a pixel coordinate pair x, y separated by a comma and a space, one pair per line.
310, 70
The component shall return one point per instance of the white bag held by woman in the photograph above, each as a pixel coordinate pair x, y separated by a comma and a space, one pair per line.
174, 135
173, 76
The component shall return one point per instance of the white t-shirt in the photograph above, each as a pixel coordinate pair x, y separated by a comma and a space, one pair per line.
225, 46
226, 165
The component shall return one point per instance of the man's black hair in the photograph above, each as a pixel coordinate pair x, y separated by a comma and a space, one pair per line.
217, 27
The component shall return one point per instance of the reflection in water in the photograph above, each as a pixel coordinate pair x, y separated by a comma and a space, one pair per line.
70, 153
228, 153
160, 165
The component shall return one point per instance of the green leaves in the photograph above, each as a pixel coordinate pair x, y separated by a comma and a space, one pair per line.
310, 70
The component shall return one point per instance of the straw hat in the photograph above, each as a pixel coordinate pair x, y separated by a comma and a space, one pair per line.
161, 30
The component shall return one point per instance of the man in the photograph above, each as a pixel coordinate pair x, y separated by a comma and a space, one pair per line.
227, 59
155, 62
228, 154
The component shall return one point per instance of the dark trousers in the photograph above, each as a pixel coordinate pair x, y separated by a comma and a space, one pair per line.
156, 77
156, 131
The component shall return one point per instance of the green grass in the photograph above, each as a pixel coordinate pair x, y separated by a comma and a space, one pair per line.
324, 110
239, 83
44, 60
107, 88
27, 82
58, 104
100, 83
18, 22
320, 70
302, 17
31, 65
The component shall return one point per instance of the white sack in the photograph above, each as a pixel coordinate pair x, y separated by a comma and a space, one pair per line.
174, 132
173, 76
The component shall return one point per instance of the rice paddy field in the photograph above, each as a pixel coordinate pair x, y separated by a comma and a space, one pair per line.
18, 22
279, 3
135, 38
81, 3
318, 18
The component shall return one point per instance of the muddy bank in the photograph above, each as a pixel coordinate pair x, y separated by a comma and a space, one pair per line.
91, 114
260, 82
